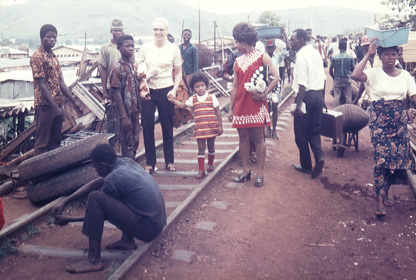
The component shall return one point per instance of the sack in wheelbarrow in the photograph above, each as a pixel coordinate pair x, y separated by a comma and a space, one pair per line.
331, 124
354, 118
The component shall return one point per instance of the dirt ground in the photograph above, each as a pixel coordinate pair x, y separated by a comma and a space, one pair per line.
291, 228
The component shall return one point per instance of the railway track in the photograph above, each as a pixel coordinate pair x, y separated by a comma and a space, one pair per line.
179, 188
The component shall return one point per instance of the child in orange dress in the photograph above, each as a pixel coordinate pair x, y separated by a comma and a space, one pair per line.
208, 120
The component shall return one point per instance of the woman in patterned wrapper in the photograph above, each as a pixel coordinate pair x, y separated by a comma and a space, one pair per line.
248, 101
388, 89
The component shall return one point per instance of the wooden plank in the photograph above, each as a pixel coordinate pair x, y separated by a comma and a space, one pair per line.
85, 76
85, 97
10, 147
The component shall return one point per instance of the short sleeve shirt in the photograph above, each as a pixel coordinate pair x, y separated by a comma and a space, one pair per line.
132, 185
309, 70
108, 57
343, 64
383, 86
124, 77
46, 65
162, 60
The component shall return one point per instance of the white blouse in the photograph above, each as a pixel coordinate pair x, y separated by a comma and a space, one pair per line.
161, 59
383, 86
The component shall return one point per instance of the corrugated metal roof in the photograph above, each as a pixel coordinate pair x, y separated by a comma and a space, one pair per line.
7, 50
8, 63
9, 107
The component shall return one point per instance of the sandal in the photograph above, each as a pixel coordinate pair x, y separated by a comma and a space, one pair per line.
258, 182
242, 178
170, 167
149, 169
380, 212
387, 201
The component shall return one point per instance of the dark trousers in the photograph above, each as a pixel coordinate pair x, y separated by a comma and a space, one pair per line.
48, 129
101, 207
307, 127
158, 98
282, 74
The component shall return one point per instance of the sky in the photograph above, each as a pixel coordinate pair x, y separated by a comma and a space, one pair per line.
243, 6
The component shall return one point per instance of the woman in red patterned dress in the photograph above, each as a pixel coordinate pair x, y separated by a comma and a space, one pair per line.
248, 104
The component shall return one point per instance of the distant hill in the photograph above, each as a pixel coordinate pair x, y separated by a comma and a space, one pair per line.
74, 18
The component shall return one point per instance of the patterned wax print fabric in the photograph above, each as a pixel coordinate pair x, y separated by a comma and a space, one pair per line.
181, 116
247, 111
274, 95
124, 77
388, 128
46, 65
2, 221
206, 123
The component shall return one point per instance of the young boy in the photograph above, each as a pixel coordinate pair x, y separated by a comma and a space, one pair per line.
125, 88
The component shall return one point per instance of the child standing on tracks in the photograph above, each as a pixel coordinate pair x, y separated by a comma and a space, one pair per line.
208, 120
125, 98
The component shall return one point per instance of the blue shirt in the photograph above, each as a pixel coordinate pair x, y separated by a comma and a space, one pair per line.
131, 184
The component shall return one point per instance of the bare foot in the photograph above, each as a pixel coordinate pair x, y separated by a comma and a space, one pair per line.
85, 266
121, 245
274, 135
62, 220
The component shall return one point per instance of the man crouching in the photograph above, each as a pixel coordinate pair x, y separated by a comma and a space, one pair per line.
129, 198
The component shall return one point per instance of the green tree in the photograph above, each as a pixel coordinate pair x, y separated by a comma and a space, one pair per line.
269, 18
6, 42
403, 7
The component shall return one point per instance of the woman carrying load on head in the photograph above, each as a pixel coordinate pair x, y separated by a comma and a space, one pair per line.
388, 89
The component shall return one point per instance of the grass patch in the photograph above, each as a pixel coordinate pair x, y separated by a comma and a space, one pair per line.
31, 231
111, 269
7, 248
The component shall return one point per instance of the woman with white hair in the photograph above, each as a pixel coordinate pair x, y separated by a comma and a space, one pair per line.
160, 57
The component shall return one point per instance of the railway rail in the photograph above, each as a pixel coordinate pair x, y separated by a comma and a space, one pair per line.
179, 188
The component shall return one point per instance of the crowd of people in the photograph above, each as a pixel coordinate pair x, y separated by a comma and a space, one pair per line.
165, 76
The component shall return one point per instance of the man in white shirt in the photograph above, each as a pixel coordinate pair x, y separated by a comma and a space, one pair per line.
308, 83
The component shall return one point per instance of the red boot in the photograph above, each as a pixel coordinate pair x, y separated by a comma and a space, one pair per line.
201, 167
211, 157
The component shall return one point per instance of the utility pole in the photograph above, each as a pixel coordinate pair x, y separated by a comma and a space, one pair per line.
199, 24
215, 41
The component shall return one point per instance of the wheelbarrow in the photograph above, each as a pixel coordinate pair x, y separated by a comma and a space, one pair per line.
348, 138
354, 119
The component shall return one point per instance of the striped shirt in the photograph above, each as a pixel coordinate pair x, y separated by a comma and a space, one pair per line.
206, 123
